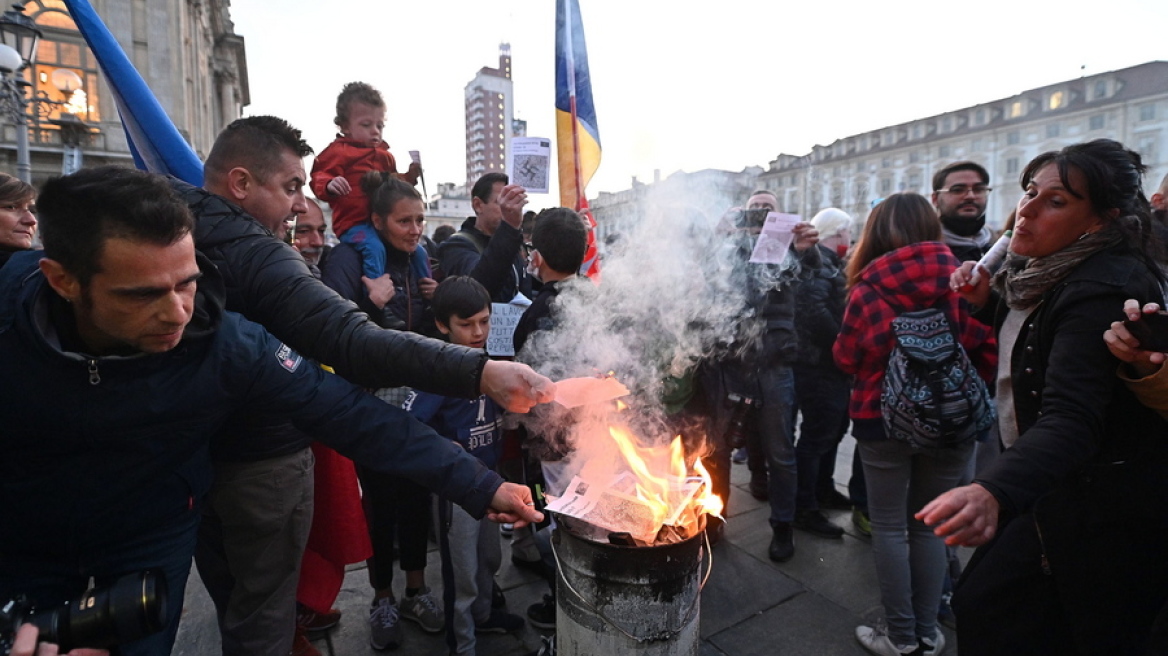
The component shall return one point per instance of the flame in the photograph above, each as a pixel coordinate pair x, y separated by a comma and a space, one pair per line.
664, 483
621, 405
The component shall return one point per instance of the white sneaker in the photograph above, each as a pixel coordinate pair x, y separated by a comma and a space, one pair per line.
935, 646
422, 608
875, 639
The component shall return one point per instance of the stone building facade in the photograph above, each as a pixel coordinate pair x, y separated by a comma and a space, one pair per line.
187, 51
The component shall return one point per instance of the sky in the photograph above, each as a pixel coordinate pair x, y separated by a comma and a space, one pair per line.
680, 85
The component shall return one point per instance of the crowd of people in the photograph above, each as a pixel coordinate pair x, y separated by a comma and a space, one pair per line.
194, 375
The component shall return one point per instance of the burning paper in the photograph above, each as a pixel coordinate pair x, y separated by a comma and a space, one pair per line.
616, 507
575, 392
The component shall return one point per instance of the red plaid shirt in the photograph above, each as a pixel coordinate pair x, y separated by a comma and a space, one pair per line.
914, 277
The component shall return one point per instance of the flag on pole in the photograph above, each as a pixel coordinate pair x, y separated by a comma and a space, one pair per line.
578, 140
154, 141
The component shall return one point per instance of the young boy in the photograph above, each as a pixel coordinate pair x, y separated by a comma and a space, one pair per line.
558, 240
337, 171
470, 547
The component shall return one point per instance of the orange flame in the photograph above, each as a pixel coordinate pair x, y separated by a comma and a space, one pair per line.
708, 501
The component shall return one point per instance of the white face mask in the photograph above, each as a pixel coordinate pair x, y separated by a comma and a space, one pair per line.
532, 270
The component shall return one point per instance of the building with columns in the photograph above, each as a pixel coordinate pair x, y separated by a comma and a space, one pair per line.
187, 52
1129, 105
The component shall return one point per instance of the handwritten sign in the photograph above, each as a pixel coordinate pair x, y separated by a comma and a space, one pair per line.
504, 318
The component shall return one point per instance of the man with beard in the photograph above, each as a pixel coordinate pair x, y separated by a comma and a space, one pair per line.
308, 236
960, 192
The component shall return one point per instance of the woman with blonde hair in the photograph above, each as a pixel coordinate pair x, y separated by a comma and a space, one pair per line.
901, 265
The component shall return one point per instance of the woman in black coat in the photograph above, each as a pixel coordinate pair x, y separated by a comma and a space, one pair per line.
1070, 519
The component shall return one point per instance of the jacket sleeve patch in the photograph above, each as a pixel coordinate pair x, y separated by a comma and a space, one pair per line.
288, 358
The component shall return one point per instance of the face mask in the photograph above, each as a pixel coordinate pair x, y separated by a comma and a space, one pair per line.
532, 270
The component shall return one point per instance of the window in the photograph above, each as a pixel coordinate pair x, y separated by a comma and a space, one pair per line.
859, 167
1015, 109
914, 157
885, 186
1147, 112
943, 151
946, 124
1012, 138
1056, 100
1012, 166
885, 163
60, 52
980, 117
1147, 149
1095, 122
977, 146
914, 182
1100, 89
1052, 130
916, 132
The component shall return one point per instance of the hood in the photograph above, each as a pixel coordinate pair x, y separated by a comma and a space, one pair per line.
912, 276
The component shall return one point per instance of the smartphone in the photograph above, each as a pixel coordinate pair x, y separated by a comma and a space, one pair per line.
1151, 331
750, 218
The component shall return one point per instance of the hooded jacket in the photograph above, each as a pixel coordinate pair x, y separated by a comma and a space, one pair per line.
494, 261
268, 282
98, 450
351, 159
914, 277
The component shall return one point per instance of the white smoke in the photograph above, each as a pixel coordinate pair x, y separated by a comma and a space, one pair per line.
674, 292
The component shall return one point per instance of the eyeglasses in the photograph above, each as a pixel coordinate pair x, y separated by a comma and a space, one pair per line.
961, 190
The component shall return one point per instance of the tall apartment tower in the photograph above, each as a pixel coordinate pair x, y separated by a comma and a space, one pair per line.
489, 111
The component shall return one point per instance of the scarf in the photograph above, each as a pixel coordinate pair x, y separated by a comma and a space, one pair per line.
1024, 280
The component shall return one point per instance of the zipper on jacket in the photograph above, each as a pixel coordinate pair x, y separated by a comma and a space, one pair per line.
1044, 561
94, 376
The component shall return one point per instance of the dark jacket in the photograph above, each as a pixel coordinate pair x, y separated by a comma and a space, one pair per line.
98, 450
1090, 467
494, 261
819, 309
407, 310
268, 282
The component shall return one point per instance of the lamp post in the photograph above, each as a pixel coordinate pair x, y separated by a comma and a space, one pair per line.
18, 46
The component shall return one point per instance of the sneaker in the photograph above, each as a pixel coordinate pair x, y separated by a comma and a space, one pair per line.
759, 488
935, 646
945, 613
422, 608
313, 622
543, 614
500, 622
547, 647
861, 522
506, 529
301, 646
782, 544
813, 522
834, 500
385, 630
875, 639
739, 456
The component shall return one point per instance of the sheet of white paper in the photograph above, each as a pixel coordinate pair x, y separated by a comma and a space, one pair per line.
529, 163
575, 392
775, 238
504, 318
416, 156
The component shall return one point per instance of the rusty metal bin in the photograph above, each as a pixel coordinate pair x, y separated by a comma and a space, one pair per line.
615, 599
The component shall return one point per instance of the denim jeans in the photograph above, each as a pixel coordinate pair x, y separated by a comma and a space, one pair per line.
822, 395
910, 559
776, 432
50, 583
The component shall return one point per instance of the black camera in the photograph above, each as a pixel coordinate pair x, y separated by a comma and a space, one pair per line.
132, 608
752, 218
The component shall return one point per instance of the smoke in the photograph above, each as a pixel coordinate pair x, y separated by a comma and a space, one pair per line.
676, 290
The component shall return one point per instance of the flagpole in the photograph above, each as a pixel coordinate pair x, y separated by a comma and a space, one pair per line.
571, 54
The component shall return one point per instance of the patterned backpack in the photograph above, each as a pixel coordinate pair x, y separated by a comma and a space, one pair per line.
932, 394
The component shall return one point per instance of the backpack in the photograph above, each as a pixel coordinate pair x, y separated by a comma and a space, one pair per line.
933, 396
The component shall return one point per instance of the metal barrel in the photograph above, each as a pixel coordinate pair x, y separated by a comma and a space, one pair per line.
613, 599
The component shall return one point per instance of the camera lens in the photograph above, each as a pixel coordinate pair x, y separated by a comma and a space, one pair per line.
132, 608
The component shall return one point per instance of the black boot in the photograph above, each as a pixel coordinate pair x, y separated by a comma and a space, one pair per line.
782, 544
815, 523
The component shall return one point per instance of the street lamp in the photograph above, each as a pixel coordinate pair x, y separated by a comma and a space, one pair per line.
18, 46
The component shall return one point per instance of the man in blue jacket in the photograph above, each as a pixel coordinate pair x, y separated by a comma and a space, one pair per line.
120, 363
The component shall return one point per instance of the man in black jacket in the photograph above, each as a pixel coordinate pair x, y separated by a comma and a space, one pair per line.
254, 179
487, 248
